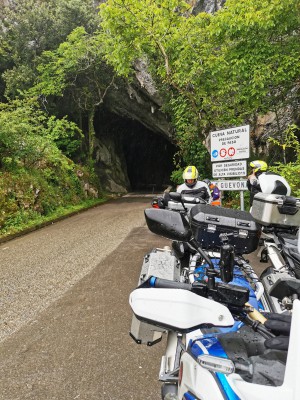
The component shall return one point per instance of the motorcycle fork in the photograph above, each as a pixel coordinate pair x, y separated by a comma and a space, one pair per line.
170, 362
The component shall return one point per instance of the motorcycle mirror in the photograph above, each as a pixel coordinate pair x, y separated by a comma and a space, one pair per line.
216, 364
226, 262
175, 196
188, 199
169, 224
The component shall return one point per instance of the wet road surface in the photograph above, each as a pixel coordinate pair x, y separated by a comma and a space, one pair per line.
72, 281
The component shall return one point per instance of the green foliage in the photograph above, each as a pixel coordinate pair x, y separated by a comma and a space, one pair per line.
26, 220
76, 65
291, 170
27, 194
27, 135
214, 70
161, 32
259, 47
76, 71
232, 199
131, 29
33, 26
36, 178
176, 176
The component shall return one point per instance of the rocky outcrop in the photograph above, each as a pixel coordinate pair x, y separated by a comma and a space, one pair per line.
110, 166
139, 100
209, 6
275, 124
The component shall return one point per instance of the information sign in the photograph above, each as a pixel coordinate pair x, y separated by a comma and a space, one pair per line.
230, 144
232, 185
229, 169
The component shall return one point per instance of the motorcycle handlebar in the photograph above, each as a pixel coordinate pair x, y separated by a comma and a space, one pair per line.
166, 284
232, 296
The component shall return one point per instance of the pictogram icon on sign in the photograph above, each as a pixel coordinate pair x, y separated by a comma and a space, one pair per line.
215, 153
223, 152
231, 151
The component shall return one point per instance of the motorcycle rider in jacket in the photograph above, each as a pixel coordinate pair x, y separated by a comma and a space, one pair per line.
192, 186
261, 180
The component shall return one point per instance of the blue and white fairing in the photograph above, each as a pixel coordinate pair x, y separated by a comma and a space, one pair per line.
200, 383
209, 343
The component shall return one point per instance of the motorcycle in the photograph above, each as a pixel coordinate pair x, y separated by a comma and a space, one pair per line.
215, 333
279, 217
177, 201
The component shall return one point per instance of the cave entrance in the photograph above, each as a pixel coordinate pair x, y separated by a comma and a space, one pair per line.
147, 156
149, 159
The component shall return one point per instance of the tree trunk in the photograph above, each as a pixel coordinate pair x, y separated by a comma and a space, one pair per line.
91, 132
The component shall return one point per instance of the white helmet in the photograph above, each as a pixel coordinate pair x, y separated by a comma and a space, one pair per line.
191, 174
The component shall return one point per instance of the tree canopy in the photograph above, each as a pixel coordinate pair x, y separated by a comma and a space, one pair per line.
216, 70
30, 27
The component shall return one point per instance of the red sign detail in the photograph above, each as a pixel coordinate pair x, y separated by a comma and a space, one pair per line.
231, 151
223, 152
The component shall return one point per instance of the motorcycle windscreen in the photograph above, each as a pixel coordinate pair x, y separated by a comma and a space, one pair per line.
177, 309
169, 224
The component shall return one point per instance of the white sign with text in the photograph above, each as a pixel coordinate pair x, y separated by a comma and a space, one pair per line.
232, 185
229, 169
230, 144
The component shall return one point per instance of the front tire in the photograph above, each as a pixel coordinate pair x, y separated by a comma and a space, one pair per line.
169, 391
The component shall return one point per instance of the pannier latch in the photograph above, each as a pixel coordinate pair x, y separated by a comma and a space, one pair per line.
224, 237
211, 228
243, 234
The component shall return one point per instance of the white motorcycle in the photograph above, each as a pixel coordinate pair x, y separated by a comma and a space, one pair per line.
215, 333
217, 352
279, 217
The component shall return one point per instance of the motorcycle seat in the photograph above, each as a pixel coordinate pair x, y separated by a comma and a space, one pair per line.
289, 241
295, 254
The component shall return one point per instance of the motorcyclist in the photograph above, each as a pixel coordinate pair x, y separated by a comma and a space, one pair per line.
214, 192
261, 180
192, 186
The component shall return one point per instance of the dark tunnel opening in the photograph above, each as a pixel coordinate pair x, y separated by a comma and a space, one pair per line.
149, 159
148, 156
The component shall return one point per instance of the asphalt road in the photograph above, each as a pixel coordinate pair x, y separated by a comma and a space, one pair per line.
64, 309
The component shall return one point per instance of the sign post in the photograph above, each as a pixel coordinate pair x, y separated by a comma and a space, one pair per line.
227, 146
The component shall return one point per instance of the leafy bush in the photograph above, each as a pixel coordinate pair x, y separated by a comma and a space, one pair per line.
36, 178
290, 170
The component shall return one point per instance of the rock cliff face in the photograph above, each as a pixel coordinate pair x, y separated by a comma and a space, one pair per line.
130, 156
274, 125
139, 100
209, 6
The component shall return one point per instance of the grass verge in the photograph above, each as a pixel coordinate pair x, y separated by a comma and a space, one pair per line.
38, 221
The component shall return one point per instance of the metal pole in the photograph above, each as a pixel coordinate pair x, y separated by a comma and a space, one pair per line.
242, 200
